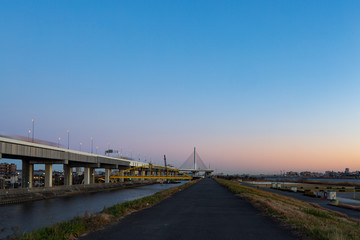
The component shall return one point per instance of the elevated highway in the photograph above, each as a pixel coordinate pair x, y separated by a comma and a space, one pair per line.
34, 153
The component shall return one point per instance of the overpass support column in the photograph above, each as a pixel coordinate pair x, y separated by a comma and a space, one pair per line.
27, 174
48, 175
68, 175
122, 179
121, 174
92, 175
143, 173
107, 175
86, 175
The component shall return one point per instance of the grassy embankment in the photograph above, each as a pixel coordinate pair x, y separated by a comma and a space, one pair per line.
306, 218
91, 222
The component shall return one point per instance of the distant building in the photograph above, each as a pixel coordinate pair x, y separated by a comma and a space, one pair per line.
292, 174
347, 171
306, 174
7, 169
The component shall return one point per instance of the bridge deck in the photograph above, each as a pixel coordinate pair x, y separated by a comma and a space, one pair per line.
203, 211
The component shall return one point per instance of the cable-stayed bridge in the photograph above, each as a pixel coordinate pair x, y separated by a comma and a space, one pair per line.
195, 164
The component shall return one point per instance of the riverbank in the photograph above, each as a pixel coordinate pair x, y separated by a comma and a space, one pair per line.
306, 218
13, 196
79, 225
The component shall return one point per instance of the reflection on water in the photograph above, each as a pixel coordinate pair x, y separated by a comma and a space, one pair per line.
31, 215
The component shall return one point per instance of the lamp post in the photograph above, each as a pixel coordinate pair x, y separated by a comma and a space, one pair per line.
68, 133
92, 143
59, 139
29, 131
80, 146
33, 126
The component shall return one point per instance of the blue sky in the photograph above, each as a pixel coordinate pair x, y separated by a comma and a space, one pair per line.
244, 81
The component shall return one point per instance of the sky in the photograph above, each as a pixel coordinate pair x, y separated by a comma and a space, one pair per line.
256, 86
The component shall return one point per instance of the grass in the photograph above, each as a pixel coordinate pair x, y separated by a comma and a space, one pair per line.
308, 219
348, 206
78, 226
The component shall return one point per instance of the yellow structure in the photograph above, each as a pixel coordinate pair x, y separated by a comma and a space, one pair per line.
151, 171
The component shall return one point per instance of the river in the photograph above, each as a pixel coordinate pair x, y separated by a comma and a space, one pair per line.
27, 216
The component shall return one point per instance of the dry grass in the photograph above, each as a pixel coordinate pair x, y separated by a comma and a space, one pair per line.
348, 206
309, 219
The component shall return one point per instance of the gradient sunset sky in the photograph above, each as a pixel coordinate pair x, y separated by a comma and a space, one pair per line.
256, 86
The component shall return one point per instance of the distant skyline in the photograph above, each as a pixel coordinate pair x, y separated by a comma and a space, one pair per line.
256, 86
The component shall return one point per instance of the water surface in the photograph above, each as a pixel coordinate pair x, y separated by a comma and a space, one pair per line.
30, 215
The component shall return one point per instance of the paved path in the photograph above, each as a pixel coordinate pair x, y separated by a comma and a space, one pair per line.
205, 210
302, 197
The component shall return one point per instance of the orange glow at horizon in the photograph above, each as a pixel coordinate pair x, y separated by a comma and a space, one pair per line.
271, 157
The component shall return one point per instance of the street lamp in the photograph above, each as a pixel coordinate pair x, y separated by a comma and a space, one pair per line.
80, 146
68, 132
33, 126
92, 143
59, 141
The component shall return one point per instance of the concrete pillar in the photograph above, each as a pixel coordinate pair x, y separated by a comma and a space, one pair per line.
122, 179
122, 174
107, 175
78, 171
134, 174
143, 174
68, 175
27, 174
48, 174
92, 175
86, 175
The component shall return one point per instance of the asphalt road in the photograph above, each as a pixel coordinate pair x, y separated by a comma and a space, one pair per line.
205, 210
323, 203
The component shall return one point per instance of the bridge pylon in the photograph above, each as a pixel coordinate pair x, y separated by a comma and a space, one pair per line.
194, 164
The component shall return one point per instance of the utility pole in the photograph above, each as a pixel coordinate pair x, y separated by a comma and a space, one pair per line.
68, 133
165, 165
33, 126
92, 143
